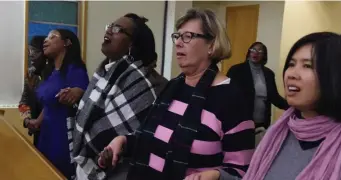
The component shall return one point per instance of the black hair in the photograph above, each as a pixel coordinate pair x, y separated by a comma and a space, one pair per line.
38, 42
73, 52
265, 52
326, 55
143, 47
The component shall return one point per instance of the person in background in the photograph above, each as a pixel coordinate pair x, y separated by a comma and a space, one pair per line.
29, 107
258, 84
59, 94
119, 95
305, 143
197, 128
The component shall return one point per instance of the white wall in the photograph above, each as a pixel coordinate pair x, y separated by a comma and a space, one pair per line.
101, 13
175, 10
11, 51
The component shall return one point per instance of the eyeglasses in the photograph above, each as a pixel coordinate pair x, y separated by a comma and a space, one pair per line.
116, 29
256, 51
52, 36
186, 37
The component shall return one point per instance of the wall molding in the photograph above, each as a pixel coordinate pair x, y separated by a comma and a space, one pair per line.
8, 106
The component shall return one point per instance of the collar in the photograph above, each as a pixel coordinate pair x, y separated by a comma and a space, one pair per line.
109, 65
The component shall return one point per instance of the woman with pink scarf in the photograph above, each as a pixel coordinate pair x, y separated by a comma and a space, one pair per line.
305, 143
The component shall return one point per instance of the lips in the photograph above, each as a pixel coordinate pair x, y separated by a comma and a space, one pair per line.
45, 46
180, 54
292, 89
107, 40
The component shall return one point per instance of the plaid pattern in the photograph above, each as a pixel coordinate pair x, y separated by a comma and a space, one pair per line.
109, 108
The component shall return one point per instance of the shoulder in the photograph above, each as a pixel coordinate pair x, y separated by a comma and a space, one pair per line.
224, 91
243, 64
220, 78
238, 66
268, 71
75, 68
229, 104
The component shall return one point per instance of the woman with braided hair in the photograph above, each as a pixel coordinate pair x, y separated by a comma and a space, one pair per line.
119, 95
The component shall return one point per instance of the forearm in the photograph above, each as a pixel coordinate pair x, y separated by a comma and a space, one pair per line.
41, 116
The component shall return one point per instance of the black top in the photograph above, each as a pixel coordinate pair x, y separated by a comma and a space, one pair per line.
226, 131
241, 75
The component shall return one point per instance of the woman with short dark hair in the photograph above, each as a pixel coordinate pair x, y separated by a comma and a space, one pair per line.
258, 84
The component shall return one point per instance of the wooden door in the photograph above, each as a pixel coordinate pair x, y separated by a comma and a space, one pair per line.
242, 23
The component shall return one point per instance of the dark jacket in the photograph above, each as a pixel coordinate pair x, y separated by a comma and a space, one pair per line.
242, 75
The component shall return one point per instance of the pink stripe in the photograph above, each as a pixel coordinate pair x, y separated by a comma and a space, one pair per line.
241, 172
163, 133
210, 120
156, 162
206, 147
178, 107
196, 170
249, 124
239, 158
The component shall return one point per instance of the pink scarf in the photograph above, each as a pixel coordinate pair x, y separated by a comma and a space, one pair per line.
326, 162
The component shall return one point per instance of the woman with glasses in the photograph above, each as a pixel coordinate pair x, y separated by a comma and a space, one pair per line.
119, 95
197, 128
29, 106
62, 48
258, 84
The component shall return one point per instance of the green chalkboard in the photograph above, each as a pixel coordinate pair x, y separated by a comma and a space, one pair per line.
65, 12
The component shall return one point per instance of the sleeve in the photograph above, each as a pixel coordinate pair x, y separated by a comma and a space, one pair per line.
78, 77
131, 138
276, 98
129, 148
238, 140
23, 107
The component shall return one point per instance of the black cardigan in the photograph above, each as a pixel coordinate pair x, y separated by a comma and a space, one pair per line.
241, 75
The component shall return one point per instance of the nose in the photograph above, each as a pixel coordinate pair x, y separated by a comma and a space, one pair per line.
46, 40
108, 31
178, 42
293, 73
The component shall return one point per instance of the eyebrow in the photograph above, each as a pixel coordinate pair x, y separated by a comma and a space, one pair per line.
304, 60
117, 25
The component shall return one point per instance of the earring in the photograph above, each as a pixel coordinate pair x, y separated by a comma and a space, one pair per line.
129, 57
209, 52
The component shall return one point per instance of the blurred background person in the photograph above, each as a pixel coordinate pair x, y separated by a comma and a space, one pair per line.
29, 106
258, 84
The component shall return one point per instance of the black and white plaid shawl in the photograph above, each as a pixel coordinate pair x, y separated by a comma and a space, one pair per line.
109, 108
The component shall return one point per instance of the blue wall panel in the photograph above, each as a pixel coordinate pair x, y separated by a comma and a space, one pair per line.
44, 29
53, 11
